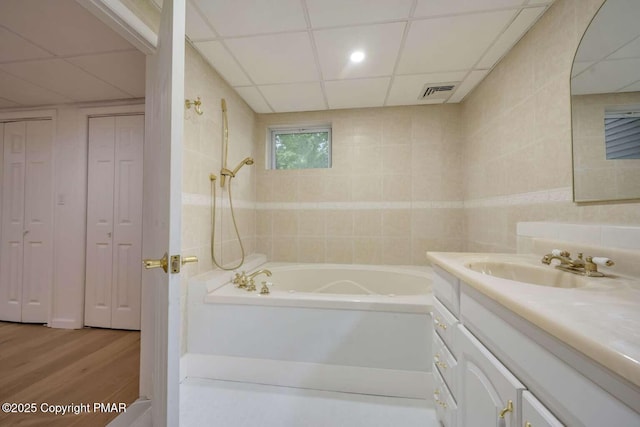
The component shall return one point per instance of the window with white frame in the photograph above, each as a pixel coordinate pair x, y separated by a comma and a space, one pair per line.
306, 147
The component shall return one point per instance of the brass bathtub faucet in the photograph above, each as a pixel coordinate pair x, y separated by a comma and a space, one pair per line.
244, 280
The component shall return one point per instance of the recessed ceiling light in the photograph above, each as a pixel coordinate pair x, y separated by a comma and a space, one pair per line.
357, 56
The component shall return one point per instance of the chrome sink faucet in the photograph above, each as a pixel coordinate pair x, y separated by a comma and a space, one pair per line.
584, 266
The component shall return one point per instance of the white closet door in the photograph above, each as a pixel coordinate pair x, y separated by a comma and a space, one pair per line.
26, 254
11, 256
127, 227
100, 222
1, 181
38, 223
114, 229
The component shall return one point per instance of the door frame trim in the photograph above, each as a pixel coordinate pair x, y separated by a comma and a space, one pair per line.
123, 21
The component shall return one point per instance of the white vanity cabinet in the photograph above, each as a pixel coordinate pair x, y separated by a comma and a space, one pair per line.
534, 413
445, 364
487, 391
497, 357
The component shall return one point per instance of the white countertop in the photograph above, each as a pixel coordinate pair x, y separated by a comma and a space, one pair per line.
600, 320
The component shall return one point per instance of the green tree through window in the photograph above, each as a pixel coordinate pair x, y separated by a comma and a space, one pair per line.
301, 149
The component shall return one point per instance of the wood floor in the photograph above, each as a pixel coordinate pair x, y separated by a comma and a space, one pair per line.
61, 367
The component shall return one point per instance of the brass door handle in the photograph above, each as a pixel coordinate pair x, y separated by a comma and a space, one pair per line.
189, 259
157, 263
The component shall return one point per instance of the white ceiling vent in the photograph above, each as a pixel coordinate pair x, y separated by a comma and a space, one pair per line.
437, 90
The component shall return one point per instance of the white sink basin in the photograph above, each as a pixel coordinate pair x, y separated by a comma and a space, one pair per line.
528, 274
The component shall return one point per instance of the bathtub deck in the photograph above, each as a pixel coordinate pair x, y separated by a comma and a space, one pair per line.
234, 404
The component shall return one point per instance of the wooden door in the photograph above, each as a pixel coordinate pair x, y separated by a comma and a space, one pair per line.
11, 253
26, 258
114, 222
37, 268
127, 223
99, 264
162, 208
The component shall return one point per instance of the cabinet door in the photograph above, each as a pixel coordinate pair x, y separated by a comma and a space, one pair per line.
485, 386
534, 413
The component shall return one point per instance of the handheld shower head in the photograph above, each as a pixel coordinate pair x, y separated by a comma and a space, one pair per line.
246, 161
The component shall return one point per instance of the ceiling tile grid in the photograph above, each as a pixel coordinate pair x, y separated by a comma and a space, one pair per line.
293, 55
280, 55
55, 51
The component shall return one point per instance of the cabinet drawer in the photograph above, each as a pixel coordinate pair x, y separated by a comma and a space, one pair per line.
447, 289
445, 404
445, 362
534, 413
444, 324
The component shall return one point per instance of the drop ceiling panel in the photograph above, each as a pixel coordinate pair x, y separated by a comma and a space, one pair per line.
4, 103
124, 70
425, 8
631, 50
357, 93
281, 58
510, 37
467, 85
61, 77
215, 53
25, 93
245, 17
197, 27
294, 97
62, 27
579, 67
15, 48
296, 47
633, 88
380, 43
252, 96
406, 89
602, 39
452, 43
329, 13
606, 76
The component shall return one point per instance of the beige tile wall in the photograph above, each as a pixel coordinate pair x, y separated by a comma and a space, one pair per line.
202, 155
517, 150
404, 179
393, 192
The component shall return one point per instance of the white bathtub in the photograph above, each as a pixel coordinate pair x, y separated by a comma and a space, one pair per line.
404, 289
350, 328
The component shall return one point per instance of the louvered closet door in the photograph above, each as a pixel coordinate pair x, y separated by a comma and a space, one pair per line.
26, 232
114, 229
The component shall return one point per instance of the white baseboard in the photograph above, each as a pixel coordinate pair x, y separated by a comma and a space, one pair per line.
65, 324
349, 379
138, 414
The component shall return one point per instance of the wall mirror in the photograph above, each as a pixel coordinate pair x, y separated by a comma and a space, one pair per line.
605, 106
